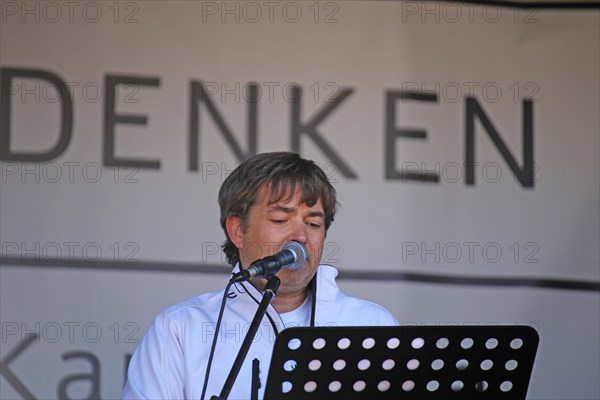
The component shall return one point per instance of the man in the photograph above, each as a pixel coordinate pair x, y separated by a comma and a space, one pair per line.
269, 200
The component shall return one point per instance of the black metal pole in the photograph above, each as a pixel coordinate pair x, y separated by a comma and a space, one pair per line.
269, 293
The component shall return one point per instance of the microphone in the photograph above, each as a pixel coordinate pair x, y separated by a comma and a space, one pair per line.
292, 256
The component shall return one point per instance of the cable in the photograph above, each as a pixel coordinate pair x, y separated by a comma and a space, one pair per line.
214, 343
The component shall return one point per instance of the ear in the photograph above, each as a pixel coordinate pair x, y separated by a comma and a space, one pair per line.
234, 230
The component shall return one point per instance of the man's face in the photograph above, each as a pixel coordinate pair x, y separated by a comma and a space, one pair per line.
270, 226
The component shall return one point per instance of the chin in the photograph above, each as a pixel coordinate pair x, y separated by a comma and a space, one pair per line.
291, 283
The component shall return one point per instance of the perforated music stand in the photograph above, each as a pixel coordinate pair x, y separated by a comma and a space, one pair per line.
410, 362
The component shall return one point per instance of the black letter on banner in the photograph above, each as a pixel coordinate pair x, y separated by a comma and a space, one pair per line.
310, 128
66, 123
198, 94
93, 377
9, 375
111, 119
391, 133
524, 175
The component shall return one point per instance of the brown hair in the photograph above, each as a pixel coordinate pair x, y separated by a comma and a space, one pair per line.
283, 173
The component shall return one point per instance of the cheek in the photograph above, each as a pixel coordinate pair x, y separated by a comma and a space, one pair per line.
249, 252
315, 247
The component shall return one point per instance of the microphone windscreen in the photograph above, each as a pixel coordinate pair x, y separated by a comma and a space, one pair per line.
300, 254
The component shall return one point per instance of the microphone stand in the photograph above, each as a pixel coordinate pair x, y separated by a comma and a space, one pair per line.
270, 291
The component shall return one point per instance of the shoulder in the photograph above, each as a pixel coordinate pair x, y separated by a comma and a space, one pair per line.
347, 310
200, 302
199, 308
157, 367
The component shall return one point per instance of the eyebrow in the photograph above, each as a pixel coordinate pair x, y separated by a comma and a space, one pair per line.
290, 210
316, 214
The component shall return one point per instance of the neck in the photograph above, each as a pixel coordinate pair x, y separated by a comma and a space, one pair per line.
286, 302
283, 301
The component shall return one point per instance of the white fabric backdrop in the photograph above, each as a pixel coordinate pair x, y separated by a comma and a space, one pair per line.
60, 213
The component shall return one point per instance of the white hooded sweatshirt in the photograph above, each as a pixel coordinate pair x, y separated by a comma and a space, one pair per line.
171, 360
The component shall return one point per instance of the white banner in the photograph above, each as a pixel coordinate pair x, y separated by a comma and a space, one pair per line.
462, 139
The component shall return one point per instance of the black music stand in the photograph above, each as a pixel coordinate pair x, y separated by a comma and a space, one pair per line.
410, 362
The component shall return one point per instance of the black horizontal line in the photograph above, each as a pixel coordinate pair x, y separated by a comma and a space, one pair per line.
525, 4
544, 283
532, 5
223, 269
133, 265
504, 3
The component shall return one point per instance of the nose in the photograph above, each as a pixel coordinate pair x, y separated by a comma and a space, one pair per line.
298, 233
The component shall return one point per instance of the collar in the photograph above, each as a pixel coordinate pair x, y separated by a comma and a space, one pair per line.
323, 286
